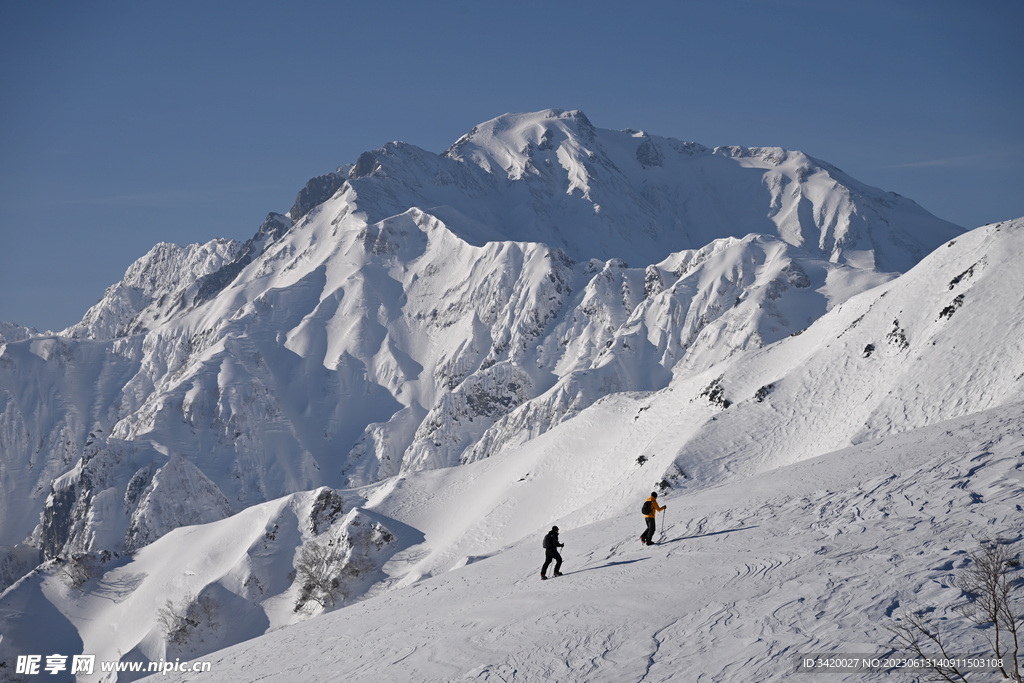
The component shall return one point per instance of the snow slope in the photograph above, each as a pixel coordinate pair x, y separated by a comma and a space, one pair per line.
809, 558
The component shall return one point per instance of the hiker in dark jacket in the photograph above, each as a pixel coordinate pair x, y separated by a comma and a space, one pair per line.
551, 546
647, 538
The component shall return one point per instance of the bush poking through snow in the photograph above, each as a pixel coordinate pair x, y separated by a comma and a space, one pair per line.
180, 622
715, 394
317, 572
898, 336
327, 507
949, 310
761, 394
673, 475
78, 568
989, 591
327, 573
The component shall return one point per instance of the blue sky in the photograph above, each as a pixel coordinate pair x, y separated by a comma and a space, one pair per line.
125, 124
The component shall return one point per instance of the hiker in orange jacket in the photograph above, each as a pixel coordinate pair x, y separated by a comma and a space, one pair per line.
647, 538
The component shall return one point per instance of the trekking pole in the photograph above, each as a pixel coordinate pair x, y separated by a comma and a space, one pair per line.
662, 527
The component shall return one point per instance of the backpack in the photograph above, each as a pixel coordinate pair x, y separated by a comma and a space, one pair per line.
646, 509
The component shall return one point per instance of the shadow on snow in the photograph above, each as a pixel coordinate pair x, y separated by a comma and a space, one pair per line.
710, 533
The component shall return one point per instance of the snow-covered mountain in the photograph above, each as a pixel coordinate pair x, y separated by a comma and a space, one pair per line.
155, 287
797, 522
451, 351
11, 332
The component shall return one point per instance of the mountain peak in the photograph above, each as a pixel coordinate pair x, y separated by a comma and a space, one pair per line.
630, 194
506, 139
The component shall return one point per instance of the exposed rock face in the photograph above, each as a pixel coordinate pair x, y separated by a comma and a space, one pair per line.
317, 191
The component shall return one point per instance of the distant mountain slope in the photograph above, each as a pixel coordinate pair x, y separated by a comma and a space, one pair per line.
155, 287
10, 332
551, 177
416, 311
940, 342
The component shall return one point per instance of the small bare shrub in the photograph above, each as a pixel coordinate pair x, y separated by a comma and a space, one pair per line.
988, 589
77, 569
179, 622
318, 570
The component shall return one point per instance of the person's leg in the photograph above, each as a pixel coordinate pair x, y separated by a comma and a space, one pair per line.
650, 530
548, 556
558, 563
